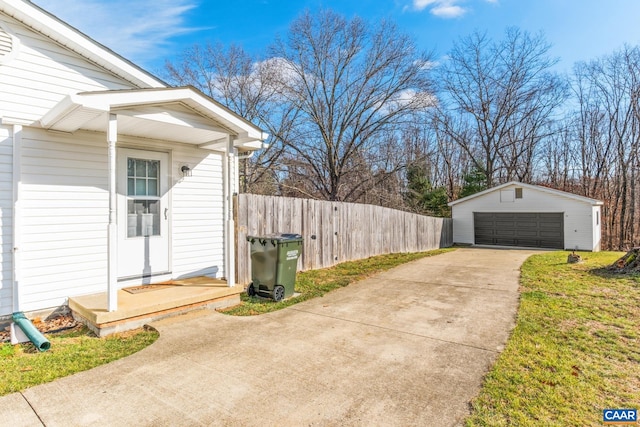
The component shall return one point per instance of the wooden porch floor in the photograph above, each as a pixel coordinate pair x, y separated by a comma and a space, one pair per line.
168, 299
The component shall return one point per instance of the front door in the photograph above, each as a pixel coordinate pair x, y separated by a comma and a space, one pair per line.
143, 212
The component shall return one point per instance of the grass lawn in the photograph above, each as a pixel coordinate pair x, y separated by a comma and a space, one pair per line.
316, 283
76, 350
575, 349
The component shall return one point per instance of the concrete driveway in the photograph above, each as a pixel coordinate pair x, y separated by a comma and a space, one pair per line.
406, 347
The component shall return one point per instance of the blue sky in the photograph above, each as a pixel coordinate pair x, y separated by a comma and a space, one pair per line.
148, 32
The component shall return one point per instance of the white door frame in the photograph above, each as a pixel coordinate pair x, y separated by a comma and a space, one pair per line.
145, 256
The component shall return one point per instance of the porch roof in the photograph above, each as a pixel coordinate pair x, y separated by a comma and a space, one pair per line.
181, 114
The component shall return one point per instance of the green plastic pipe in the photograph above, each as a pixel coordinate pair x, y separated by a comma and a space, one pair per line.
38, 340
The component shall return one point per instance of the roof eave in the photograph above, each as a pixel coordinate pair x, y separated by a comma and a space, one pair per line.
49, 25
591, 201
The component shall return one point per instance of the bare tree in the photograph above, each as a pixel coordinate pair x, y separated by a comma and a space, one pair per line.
608, 91
590, 129
247, 87
352, 85
560, 158
497, 99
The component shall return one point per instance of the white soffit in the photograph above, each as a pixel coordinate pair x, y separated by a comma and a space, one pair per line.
173, 114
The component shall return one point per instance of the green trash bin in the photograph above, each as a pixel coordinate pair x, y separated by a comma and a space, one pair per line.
274, 261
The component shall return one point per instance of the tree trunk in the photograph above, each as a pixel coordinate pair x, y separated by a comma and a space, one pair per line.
628, 263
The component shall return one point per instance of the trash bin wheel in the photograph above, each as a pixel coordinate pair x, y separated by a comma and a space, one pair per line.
251, 290
278, 293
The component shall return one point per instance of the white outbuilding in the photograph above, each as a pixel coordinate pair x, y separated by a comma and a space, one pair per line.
525, 215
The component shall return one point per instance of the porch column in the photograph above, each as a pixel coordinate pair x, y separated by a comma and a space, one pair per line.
112, 239
230, 250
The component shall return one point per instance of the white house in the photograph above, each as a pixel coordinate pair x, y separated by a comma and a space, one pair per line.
108, 176
518, 214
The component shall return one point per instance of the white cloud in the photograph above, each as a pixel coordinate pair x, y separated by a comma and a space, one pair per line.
139, 30
442, 8
278, 77
418, 99
427, 65
408, 97
422, 4
448, 11
280, 71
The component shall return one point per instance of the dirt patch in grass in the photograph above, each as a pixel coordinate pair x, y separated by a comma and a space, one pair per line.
52, 324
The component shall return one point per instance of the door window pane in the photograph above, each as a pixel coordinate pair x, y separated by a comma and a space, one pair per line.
152, 186
141, 187
141, 168
143, 177
152, 168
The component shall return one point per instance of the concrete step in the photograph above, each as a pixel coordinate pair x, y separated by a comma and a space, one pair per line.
144, 306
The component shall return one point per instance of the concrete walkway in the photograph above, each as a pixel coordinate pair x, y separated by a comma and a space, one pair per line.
407, 347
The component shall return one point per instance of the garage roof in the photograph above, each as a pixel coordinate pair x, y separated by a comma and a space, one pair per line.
548, 190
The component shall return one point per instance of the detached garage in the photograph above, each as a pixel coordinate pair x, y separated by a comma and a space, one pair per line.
525, 215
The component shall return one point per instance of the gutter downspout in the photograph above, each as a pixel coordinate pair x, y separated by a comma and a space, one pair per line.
230, 252
112, 228
17, 215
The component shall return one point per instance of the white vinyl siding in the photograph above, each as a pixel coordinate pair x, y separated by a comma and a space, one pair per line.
6, 217
578, 215
43, 73
64, 203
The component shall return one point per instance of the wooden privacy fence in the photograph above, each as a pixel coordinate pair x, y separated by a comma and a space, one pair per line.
335, 232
